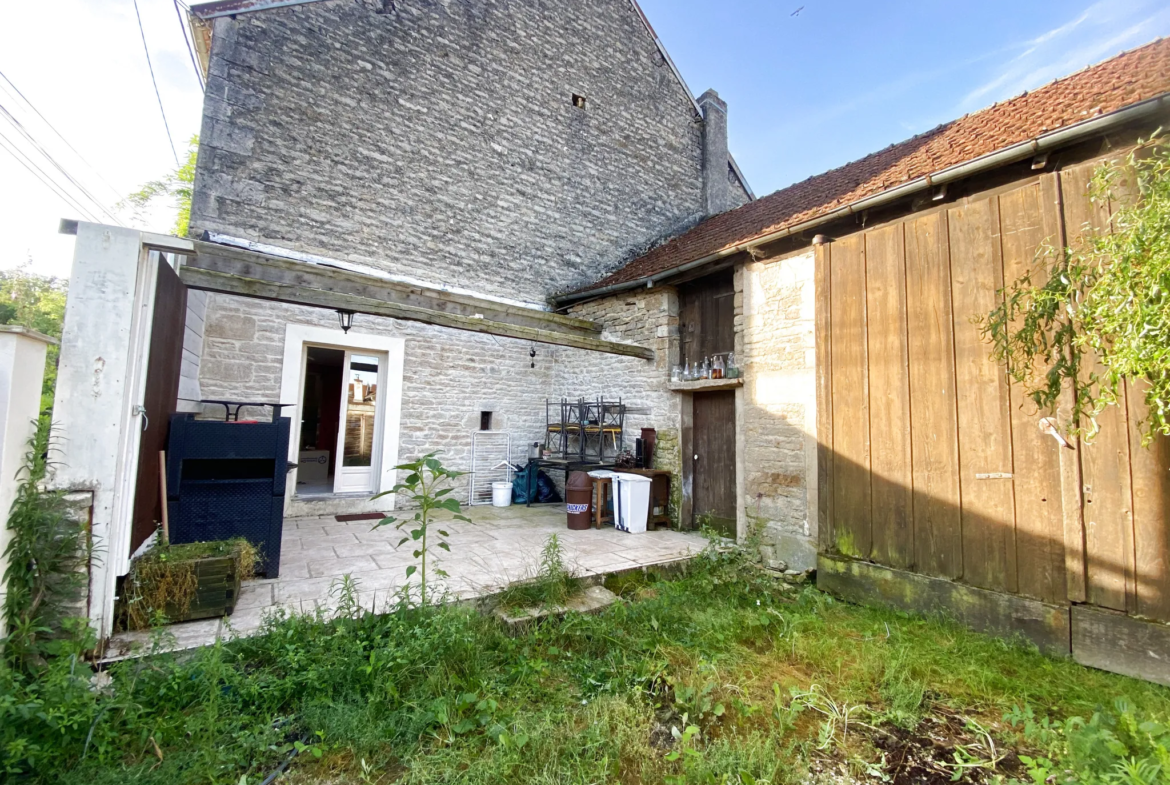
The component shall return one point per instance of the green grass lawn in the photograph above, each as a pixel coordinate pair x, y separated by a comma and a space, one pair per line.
723, 675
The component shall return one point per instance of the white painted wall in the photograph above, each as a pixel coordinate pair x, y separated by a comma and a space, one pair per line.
22, 370
101, 380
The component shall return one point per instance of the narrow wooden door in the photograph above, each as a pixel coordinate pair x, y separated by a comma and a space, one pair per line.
713, 461
162, 391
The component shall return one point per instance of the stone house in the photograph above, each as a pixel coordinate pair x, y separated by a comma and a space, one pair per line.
551, 158
506, 151
436, 216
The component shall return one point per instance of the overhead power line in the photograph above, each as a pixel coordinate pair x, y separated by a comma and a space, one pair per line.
39, 148
190, 44
40, 174
153, 81
45, 120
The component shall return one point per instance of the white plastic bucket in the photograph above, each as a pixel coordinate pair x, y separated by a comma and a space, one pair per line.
501, 494
631, 502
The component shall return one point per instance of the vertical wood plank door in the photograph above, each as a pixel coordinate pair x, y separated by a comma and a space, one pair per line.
1027, 223
1105, 468
713, 461
985, 437
938, 542
707, 317
162, 391
851, 481
892, 486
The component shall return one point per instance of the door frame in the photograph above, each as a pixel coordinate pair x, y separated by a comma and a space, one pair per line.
297, 338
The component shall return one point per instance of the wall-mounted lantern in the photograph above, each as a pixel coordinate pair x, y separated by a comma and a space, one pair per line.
346, 319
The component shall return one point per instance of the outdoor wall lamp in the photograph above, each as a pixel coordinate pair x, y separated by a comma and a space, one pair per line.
346, 319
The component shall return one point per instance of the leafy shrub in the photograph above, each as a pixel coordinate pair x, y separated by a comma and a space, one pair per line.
1116, 747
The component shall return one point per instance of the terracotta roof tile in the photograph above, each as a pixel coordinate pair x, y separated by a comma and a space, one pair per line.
1134, 76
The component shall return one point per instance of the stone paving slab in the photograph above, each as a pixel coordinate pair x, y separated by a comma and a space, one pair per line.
500, 546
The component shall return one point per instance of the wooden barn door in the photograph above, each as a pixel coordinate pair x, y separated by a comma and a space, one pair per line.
931, 459
162, 390
713, 461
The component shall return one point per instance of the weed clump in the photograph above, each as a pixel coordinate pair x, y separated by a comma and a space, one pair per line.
553, 585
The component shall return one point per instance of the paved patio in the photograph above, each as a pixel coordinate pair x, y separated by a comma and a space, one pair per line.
499, 547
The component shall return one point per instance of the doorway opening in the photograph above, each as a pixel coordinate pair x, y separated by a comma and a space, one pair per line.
341, 421
317, 458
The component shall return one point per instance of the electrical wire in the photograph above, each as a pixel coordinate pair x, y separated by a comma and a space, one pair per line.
150, 67
190, 45
40, 174
32, 140
45, 120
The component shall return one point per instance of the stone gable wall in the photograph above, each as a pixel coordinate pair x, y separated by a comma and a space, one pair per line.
439, 139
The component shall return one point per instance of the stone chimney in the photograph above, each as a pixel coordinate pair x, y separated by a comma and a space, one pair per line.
716, 183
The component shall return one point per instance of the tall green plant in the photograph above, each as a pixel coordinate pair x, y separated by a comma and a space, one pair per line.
1098, 315
46, 557
426, 485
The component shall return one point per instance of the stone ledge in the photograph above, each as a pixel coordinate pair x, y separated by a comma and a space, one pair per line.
707, 384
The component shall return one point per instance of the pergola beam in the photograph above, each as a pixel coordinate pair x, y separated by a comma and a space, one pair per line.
199, 276
258, 266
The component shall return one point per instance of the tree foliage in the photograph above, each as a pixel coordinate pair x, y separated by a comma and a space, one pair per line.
37, 302
177, 185
1101, 317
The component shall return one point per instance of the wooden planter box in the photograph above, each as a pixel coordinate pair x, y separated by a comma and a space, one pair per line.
217, 591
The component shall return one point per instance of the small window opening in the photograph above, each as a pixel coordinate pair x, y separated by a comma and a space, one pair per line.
485, 421
578, 101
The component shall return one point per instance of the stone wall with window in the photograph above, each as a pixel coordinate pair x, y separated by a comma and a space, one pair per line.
442, 140
452, 376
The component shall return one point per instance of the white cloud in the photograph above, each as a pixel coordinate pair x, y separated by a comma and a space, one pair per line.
1102, 30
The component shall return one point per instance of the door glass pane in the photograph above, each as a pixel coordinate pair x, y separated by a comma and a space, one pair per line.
361, 401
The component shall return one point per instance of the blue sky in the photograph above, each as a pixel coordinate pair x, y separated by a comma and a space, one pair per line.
844, 78
806, 93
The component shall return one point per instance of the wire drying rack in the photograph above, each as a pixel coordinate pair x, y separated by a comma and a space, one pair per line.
489, 463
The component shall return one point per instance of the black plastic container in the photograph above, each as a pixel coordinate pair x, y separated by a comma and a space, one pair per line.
227, 479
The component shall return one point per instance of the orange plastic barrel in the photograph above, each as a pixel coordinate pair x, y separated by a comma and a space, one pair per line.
579, 500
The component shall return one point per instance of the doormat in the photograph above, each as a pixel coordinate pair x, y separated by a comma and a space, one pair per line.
361, 516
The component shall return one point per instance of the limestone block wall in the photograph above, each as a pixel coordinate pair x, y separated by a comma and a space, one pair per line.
777, 413
441, 140
451, 376
648, 318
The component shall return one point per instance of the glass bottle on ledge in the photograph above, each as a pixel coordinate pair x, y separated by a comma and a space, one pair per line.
732, 370
686, 375
717, 367
705, 369
676, 374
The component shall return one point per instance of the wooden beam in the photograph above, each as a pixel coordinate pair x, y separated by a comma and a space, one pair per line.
225, 283
290, 272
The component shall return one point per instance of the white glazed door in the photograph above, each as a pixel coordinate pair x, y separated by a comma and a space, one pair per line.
359, 433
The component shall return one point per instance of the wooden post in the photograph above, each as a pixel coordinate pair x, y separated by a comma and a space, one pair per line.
162, 485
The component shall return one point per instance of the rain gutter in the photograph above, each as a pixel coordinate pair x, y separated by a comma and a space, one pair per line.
993, 160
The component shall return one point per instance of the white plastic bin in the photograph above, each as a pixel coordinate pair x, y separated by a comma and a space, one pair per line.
501, 494
631, 502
